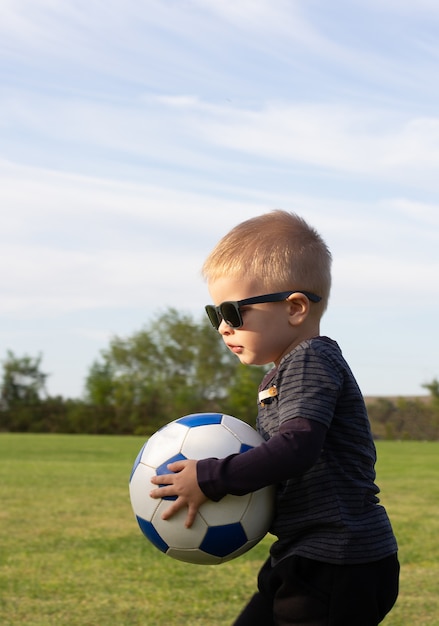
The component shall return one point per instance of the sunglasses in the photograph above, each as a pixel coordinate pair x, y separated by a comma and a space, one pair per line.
230, 313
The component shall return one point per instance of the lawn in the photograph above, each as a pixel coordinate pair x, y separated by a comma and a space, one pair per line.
71, 552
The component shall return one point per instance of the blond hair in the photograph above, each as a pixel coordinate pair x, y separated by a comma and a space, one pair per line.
279, 250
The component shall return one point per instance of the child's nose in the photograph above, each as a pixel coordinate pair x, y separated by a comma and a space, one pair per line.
224, 329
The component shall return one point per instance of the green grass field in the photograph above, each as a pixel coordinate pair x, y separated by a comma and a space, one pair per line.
71, 552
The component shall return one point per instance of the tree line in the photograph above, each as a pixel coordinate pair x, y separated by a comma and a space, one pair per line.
174, 366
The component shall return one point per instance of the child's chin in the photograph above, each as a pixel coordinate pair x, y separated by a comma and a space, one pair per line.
246, 360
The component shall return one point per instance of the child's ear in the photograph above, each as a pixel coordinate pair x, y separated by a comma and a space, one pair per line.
298, 308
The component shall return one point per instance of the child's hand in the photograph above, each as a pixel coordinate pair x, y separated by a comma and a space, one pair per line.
183, 484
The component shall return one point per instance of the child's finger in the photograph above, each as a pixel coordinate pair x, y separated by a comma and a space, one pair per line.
163, 479
177, 466
162, 492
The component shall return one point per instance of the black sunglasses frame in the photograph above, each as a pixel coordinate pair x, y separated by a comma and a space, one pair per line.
230, 313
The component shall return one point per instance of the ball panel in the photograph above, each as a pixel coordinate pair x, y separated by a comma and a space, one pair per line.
200, 419
175, 533
163, 468
259, 514
221, 540
196, 557
242, 550
143, 505
210, 441
137, 461
150, 532
164, 444
231, 510
245, 433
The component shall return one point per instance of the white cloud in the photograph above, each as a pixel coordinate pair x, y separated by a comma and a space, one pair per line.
343, 138
404, 7
75, 243
35, 198
83, 243
183, 131
422, 213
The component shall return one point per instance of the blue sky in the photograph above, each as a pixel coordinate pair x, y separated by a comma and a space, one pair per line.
134, 134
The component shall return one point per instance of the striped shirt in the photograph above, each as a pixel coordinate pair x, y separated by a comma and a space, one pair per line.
320, 452
331, 512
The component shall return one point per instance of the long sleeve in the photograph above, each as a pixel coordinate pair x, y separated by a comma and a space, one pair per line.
290, 453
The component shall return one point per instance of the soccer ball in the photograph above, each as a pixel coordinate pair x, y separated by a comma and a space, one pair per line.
222, 530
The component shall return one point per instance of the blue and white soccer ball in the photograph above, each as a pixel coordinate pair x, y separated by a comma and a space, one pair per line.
222, 530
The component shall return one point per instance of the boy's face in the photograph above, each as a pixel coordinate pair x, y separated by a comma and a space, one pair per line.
269, 331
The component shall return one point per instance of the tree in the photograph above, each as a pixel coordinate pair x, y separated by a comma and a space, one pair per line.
21, 396
172, 367
433, 388
241, 401
23, 382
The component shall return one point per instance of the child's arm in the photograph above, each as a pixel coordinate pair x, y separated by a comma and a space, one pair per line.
289, 453
294, 450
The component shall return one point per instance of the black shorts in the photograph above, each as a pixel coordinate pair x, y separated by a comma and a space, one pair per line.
299, 591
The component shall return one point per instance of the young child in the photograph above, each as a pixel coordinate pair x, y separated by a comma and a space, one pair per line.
335, 559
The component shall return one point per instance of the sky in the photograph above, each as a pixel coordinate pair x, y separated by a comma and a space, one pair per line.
134, 134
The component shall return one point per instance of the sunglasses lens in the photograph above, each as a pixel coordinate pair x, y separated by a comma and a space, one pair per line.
213, 316
230, 314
